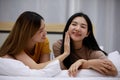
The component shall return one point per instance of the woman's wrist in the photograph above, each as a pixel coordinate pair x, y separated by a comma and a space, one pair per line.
62, 56
85, 64
65, 54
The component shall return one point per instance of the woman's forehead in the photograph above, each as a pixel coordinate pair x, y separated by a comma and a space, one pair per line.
79, 20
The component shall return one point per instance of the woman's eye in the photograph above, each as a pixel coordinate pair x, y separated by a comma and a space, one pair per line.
83, 26
74, 24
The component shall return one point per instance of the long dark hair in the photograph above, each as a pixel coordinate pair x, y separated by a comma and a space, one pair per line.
24, 28
89, 42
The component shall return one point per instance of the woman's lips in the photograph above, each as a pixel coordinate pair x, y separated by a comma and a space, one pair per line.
76, 34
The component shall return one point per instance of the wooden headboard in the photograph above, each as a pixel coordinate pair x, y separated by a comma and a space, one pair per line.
51, 28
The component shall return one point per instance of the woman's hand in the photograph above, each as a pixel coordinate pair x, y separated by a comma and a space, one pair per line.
67, 44
103, 66
73, 70
66, 48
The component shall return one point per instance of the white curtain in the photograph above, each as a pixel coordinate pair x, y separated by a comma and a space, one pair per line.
104, 16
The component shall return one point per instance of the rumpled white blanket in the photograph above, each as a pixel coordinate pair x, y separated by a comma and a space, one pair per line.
10, 67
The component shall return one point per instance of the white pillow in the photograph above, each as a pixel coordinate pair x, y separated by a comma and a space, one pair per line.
81, 73
10, 67
115, 58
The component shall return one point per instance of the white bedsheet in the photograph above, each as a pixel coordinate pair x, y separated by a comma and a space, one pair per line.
10, 67
16, 70
38, 78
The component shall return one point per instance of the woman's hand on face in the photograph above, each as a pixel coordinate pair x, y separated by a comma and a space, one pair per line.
67, 44
66, 48
102, 66
73, 70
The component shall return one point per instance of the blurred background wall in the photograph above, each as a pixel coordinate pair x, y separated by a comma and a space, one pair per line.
104, 14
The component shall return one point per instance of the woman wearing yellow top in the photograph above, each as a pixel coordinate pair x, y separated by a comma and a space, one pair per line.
27, 42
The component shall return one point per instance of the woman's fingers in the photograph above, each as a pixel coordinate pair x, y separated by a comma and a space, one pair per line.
73, 70
102, 66
67, 43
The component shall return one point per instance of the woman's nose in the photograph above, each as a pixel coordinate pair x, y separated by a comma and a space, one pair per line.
78, 28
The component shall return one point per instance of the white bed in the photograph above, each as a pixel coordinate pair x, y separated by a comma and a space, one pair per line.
38, 78
16, 70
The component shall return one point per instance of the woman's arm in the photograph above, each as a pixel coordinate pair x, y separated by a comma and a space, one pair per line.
23, 57
73, 70
99, 62
56, 51
104, 66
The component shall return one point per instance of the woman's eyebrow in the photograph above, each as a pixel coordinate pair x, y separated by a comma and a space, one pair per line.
84, 24
74, 22
77, 23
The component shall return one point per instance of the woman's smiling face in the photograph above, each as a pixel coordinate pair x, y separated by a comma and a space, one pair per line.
78, 29
40, 35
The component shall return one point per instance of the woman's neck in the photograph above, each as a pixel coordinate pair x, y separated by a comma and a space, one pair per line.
77, 45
